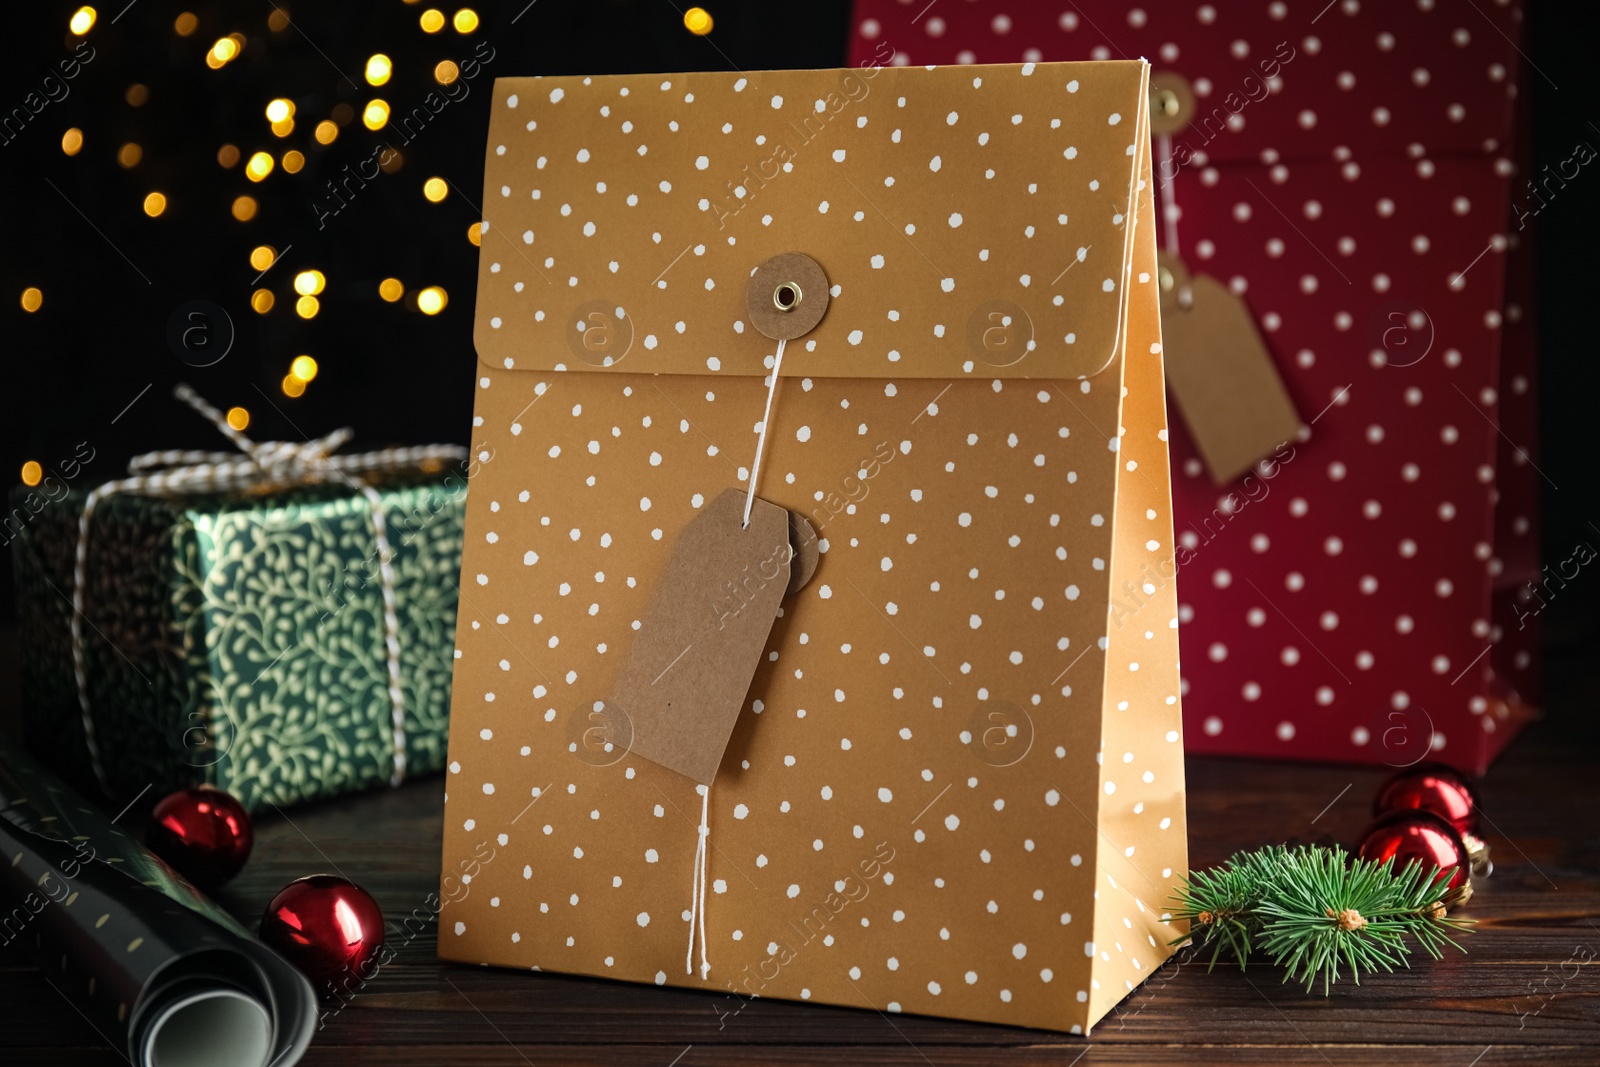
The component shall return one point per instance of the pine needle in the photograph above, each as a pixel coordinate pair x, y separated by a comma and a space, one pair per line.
1313, 909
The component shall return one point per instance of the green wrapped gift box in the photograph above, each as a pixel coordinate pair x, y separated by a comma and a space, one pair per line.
238, 638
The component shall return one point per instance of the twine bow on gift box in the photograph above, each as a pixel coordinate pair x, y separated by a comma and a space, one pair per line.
266, 464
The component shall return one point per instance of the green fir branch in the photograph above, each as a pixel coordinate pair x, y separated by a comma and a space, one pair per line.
1313, 909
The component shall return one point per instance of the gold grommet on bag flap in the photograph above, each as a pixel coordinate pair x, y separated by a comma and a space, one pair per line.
1171, 103
787, 296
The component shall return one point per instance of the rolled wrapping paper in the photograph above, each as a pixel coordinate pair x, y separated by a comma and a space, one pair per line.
166, 976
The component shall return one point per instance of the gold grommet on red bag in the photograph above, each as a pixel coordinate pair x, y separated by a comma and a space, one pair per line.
1171, 103
787, 296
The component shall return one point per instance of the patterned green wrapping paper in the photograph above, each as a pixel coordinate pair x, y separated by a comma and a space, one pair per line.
237, 640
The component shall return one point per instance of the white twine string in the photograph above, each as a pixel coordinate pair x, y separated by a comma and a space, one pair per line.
1169, 211
697, 899
391, 632
761, 440
1169, 202
266, 463
702, 852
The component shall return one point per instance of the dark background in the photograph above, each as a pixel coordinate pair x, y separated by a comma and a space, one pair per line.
112, 277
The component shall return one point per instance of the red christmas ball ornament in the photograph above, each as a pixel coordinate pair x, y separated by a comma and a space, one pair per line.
1422, 836
328, 927
204, 833
1445, 792
1431, 787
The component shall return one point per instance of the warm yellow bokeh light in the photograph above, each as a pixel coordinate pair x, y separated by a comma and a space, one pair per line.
432, 300
72, 141
228, 155
261, 301
304, 368
309, 282
82, 20
244, 208
446, 72
307, 307
475, 233
32, 473
292, 386
137, 95
432, 20
391, 289
378, 69
129, 155
279, 109
293, 160
466, 20
263, 256
225, 50
185, 24
326, 132
259, 167
155, 204
390, 161
33, 297
238, 418
284, 128
435, 189
375, 115
698, 21
278, 21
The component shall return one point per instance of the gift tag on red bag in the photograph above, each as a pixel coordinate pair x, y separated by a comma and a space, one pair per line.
701, 638
1230, 392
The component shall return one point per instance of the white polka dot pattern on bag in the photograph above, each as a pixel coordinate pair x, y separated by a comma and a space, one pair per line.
736, 199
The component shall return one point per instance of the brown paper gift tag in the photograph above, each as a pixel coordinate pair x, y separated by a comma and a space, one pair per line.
1230, 392
700, 640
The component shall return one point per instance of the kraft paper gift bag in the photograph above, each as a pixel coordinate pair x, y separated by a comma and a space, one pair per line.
902, 730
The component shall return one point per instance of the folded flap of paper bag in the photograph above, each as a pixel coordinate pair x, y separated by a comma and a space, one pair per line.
970, 220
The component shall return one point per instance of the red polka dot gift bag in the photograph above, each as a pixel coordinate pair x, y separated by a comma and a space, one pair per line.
1346, 276
827, 425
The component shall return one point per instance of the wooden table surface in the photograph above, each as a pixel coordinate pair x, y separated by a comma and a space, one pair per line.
1528, 992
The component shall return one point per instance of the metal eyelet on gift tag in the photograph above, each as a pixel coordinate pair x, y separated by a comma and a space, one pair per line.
1171, 103
787, 296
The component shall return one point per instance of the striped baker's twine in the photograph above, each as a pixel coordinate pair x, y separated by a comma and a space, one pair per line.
256, 464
